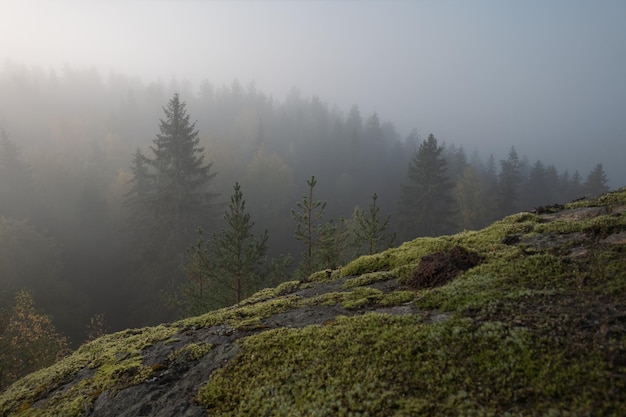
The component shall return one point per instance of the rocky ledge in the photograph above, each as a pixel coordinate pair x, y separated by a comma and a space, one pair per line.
524, 317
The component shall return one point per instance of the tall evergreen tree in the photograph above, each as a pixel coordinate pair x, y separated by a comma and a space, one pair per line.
552, 185
536, 192
596, 182
180, 175
576, 187
168, 200
426, 204
307, 219
509, 181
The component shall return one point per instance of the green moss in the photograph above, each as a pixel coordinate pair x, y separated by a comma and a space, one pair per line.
262, 295
361, 297
253, 323
263, 309
604, 272
325, 299
367, 264
560, 227
115, 376
604, 225
235, 314
326, 275
611, 199
461, 294
493, 280
389, 365
397, 298
192, 351
269, 293
116, 359
288, 287
369, 278
408, 253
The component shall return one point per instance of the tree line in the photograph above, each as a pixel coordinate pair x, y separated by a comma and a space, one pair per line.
115, 203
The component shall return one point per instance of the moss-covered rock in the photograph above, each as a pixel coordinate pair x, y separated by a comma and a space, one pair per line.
537, 327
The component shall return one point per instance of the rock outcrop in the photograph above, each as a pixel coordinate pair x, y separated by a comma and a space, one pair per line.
524, 317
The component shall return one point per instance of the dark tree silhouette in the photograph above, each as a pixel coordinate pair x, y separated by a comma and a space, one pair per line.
509, 181
169, 200
426, 204
596, 182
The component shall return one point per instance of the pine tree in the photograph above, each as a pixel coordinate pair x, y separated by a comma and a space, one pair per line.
426, 204
369, 230
204, 290
229, 268
239, 255
331, 245
307, 217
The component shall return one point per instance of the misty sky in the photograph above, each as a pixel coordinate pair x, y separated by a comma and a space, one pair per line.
546, 76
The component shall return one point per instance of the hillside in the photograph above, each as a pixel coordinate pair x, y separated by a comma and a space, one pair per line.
524, 317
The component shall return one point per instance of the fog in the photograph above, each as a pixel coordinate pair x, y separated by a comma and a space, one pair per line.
282, 91
547, 76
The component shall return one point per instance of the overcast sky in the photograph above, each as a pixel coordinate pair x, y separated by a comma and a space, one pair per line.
546, 76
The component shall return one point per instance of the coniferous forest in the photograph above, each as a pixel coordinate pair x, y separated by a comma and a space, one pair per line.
125, 204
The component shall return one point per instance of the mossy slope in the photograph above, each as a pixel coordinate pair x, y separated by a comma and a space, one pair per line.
537, 328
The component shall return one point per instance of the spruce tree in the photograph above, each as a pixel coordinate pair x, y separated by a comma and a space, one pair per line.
169, 199
536, 192
426, 205
369, 230
180, 175
596, 182
576, 187
509, 181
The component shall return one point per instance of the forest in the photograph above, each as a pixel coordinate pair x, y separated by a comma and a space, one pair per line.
126, 204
